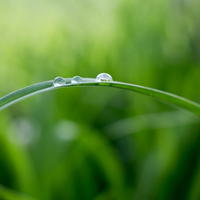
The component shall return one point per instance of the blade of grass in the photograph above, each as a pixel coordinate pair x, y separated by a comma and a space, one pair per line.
153, 121
165, 97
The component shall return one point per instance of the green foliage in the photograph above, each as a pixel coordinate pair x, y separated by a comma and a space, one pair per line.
7, 194
100, 143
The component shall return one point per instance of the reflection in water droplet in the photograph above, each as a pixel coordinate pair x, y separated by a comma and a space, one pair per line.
103, 77
76, 79
58, 81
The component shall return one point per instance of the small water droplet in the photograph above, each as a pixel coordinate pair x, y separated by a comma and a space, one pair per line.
76, 79
59, 81
103, 77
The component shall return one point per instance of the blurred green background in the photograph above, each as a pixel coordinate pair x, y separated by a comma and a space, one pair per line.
99, 143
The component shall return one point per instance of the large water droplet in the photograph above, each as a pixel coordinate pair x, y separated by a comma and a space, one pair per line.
59, 81
76, 79
103, 77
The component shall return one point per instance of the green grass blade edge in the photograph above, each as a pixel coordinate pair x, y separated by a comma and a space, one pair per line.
165, 97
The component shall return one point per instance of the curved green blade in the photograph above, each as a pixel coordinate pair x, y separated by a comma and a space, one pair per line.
48, 85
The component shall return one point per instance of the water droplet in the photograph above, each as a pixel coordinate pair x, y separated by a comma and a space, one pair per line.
59, 81
76, 79
103, 77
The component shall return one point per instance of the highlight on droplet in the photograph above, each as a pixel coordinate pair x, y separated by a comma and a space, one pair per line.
59, 81
76, 79
104, 77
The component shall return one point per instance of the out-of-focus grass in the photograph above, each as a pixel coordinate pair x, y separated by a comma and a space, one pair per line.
57, 145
